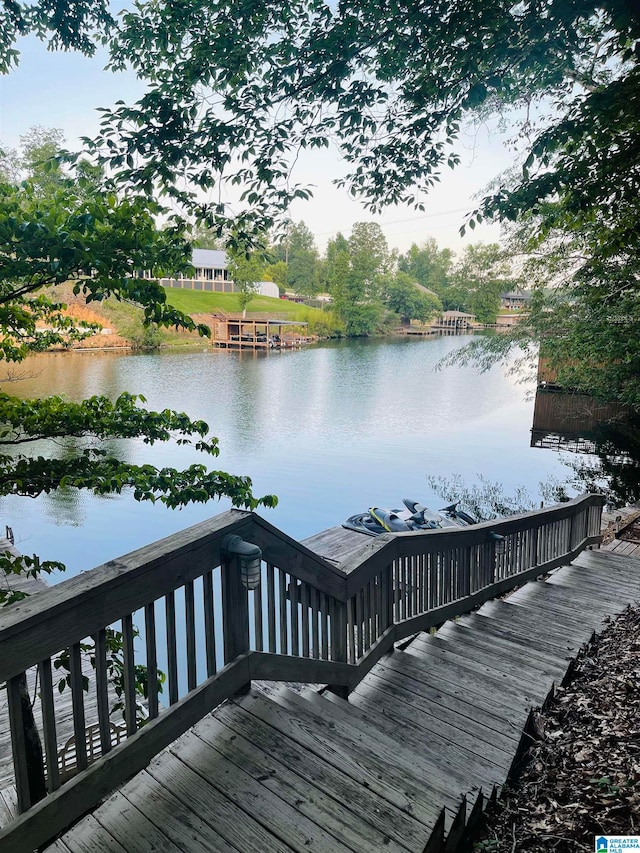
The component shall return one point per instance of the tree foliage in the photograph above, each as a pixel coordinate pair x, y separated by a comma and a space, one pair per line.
477, 280
246, 270
63, 24
235, 95
390, 84
402, 295
428, 265
302, 260
57, 227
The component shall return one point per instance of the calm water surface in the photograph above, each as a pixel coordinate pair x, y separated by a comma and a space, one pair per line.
331, 430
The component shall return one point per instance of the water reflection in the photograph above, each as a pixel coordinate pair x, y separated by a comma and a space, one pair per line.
331, 430
603, 440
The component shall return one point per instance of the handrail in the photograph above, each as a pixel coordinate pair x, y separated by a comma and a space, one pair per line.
308, 621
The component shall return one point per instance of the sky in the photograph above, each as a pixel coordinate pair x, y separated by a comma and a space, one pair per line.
63, 90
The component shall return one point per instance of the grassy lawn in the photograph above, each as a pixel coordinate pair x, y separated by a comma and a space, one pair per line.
198, 302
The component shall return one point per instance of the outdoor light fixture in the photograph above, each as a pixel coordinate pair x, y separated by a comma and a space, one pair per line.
500, 542
249, 557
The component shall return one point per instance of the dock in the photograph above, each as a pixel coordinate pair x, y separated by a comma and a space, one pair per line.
230, 332
342, 720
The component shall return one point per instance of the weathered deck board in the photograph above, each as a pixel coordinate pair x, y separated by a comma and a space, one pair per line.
230, 821
372, 743
458, 759
180, 822
345, 826
135, 832
362, 802
336, 543
364, 765
283, 820
91, 837
441, 719
434, 712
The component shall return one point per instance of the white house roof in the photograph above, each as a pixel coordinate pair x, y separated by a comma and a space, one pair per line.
209, 258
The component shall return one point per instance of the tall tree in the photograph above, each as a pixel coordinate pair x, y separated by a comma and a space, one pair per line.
403, 295
246, 270
478, 279
302, 261
355, 273
428, 265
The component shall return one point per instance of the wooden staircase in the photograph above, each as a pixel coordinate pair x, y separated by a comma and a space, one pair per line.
406, 764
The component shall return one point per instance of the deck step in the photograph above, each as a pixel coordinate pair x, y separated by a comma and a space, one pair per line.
407, 763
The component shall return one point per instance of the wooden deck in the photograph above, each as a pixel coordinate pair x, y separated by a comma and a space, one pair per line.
64, 706
430, 732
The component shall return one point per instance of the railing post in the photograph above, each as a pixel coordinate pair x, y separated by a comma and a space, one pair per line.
25, 742
387, 597
235, 612
339, 642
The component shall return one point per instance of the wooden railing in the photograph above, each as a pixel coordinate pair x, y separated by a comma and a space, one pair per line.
307, 621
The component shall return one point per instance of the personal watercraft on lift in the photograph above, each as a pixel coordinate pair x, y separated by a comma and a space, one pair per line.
415, 516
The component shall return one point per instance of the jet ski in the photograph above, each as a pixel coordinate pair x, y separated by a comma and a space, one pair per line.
371, 523
415, 516
449, 513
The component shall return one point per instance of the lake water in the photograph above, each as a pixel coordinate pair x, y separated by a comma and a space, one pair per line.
331, 429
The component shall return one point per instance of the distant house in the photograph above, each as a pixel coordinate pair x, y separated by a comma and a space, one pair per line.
212, 275
515, 299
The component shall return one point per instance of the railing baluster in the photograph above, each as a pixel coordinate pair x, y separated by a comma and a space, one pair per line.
423, 584
366, 616
338, 631
271, 607
209, 623
396, 591
49, 724
282, 595
387, 608
130, 715
403, 587
190, 620
77, 704
432, 574
315, 623
414, 585
324, 616
172, 652
152, 660
359, 626
257, 618
304, 600
102, 690
351, 629
293, 597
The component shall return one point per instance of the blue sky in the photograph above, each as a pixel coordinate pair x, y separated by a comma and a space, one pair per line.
63, 90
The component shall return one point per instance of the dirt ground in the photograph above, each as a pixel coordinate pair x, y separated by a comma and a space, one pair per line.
581, 776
